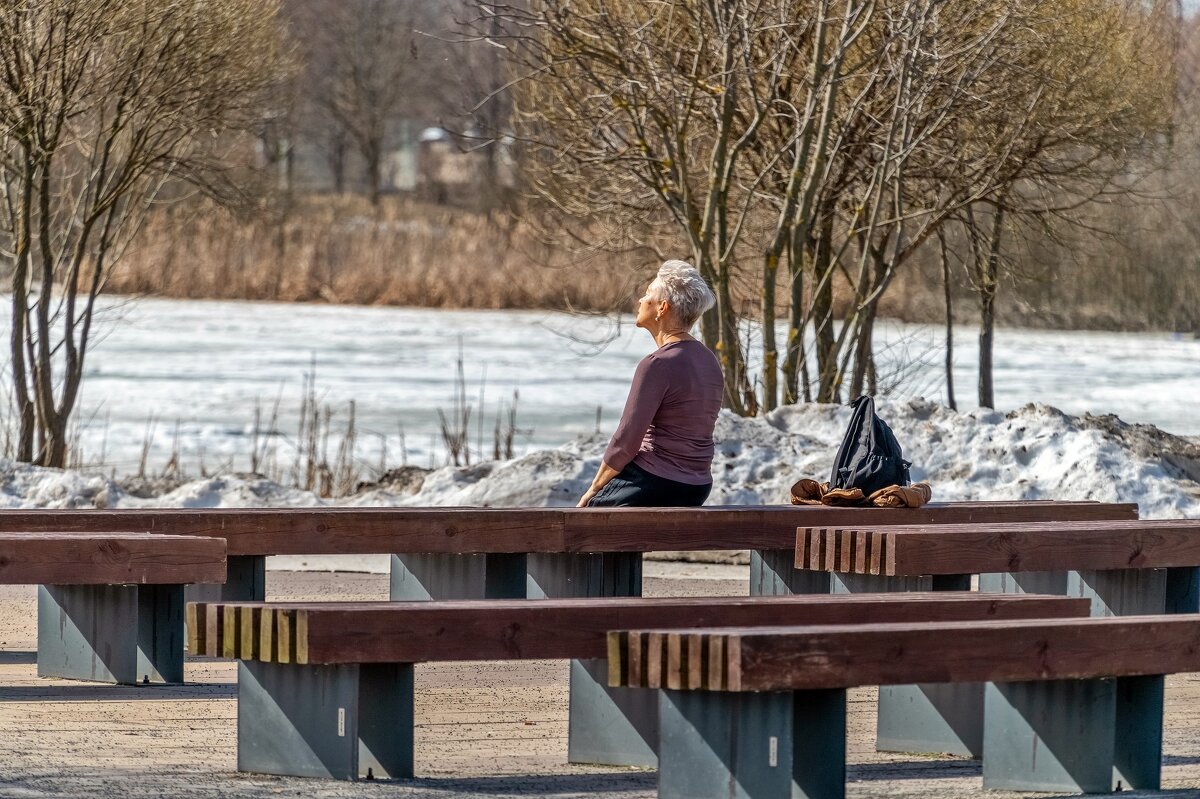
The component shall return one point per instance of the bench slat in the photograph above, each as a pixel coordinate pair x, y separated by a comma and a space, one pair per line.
808, 658
389, 632
350, 531
109, 559
683, 529
962, 549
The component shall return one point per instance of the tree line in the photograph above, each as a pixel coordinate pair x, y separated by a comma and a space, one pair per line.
803, 148
802, 151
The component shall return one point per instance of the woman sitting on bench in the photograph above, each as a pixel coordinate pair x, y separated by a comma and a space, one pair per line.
662, 449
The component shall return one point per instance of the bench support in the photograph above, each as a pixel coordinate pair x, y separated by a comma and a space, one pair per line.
1050, 736
429, 577
1138, 700
945, 718
246, 582
607, 726
1183, 590
340, 722
124, 634
753, 746
773, 572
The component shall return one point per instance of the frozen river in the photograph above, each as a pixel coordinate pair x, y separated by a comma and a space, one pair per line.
202, 366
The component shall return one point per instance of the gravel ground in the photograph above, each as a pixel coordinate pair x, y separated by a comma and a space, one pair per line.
483, 730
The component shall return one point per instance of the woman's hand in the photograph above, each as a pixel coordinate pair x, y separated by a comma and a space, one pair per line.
603, 475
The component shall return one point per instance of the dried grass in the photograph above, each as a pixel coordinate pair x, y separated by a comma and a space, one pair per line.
342, 250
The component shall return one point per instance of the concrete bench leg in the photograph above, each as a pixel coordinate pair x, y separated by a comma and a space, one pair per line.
427, 577
607, 726
1183, 590
1050, 736
111, 633
1119, 592
246, 581
341, 722
752, 746
946, 718
773, 572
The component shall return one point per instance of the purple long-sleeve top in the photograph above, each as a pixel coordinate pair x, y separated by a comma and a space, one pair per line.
667, 425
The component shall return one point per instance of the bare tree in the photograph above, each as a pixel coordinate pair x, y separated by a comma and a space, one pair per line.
367, 66
102, 104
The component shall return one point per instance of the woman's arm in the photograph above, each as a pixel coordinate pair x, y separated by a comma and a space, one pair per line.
645, 397
603, 475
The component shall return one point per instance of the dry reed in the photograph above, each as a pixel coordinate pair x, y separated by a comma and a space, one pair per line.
341, 250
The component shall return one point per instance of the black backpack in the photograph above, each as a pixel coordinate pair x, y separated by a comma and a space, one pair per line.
869, 456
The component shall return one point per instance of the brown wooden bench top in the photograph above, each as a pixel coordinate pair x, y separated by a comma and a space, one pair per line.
351, 531
109, 559
415, 632
980, 548
805, 658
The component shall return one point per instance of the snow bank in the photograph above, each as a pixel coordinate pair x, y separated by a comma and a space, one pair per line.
1035, 452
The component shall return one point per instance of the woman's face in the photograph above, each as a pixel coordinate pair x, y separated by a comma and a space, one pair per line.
647, 307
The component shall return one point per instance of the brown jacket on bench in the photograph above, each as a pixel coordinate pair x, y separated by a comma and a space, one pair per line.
810, 492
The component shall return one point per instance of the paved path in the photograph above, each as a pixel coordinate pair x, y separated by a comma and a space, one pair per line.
483, 730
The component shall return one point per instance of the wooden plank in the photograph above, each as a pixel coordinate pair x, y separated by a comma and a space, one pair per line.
862, 552
618, 662
1060, 547
733, 664
300, 635
249, 645
109, 559
676, 664
196, 622
774, 527
846, 556
814, 553
697, 664
830, 547
809, 658
231, 635
636, 671
214, 624
876, 552
389, 632
889, 556
654, 659
325, 531
266, 635
716, 664
285, 642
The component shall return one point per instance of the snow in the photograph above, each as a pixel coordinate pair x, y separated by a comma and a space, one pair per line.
1035, 452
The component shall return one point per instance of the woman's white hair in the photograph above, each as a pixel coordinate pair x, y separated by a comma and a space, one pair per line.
684, 289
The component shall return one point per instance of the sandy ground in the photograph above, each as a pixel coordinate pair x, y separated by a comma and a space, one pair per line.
483, 730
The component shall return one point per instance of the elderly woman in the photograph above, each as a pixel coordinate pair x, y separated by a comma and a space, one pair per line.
662, 449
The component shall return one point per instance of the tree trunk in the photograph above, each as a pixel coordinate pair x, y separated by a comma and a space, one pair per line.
863, 353
822, 313
949, 299
770, 363
794, 367
374, 158
20, 318
988, 288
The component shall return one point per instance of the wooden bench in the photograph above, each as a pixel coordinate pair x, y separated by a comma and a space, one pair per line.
761, 713
477, 553
1123, 567
325, 689
110, 605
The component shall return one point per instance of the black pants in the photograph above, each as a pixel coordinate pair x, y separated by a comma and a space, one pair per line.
636, 487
